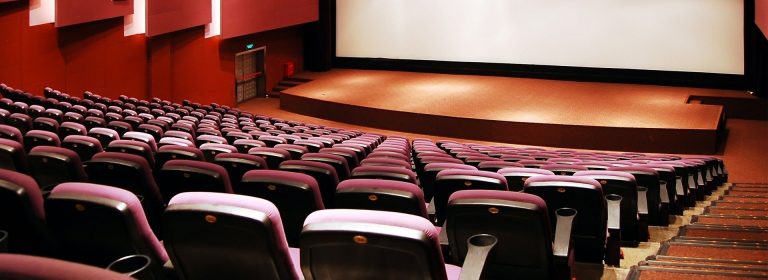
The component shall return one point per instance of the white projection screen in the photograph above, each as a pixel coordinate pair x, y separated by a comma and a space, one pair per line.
703, 36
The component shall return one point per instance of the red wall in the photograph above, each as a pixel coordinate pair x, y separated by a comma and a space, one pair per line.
96, 57
70, 12
761, 15
165, 16
93, 56
240, 17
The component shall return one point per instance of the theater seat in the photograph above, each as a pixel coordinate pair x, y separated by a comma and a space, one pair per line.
368, 244
235, 237
383, 195
97, 224
296, 195
528, 246
22, 215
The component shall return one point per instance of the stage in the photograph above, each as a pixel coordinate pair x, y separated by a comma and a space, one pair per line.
602, 116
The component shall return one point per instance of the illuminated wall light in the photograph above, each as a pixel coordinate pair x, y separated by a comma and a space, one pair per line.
42, 12
137, 22
214, 28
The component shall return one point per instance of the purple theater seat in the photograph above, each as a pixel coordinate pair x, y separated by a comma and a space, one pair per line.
244, 145
338, 162
51, 166
71, 128
295, 194
130, 172
39, 268
430, 170
385, 195
20, 121
496, 165
350, 156
243, 237
22, 215
634, 226
85, 146
155, 130
521, 223
383, 161
296, 150
324, 174
142, 137
649, 178
238, 164
313, 146
210, 150
586, 196
516, 176
105, 135
273, 156
34, 138
97, 224
45, 123
452, 180
564, 169
207, 138
384, 172
13, 156
330, 236
173, 141
181, 175
138, 148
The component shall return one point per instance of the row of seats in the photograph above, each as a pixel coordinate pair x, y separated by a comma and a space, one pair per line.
427, 171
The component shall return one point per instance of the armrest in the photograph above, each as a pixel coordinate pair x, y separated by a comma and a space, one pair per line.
642, 213
642, 201
679, 190
563, 229
431, 208
479, 246
612, 247
663, 192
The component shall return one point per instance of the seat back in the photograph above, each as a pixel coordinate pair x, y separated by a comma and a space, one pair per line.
22, 214
296, 195
238, 164
452, 180
85, 146
516, 176
338, 162
384, 195
520, 221
51, 166
12, 155
235, 237
133, 147
97, 224
181, 175
623, 184
367, 244
210, 150
324, 174
273, 156
586, 196
34, 138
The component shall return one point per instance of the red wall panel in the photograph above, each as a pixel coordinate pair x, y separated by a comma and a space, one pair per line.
164, 16
241, 17
94, 57
761, 15
69, 12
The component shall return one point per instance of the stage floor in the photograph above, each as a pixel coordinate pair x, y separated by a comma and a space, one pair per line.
516, 110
